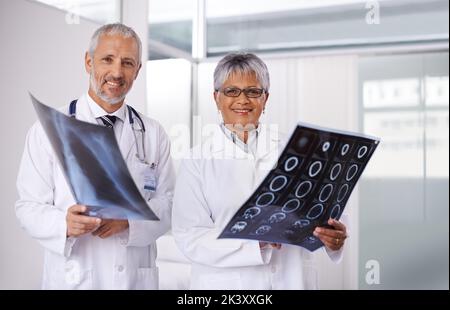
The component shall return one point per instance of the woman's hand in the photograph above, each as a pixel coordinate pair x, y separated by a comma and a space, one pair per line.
263, 245
333, 239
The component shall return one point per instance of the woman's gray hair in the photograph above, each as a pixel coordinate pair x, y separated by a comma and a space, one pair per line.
111, 29
241, 63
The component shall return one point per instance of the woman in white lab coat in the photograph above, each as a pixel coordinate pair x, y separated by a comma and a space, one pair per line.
217, 178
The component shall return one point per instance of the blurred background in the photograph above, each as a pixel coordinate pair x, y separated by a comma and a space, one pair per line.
377, 67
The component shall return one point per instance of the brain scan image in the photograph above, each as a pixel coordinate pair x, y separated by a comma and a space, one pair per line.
311, 243
315, 169
326, 146
301, 223
277, 217
362, 151
265, 199
342, 192
351, 172
315, 211
325, 192
335, 211
344, 149
303, 143
311, 182
251, 213
262, 230
238, 227
303, 189
291, 206
278, 183
291, 163
335, 171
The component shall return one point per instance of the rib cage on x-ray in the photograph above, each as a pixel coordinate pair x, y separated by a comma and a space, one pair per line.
93, 165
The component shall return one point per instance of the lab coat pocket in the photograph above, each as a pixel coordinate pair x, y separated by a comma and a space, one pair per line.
81, 280
146, 279
221, 281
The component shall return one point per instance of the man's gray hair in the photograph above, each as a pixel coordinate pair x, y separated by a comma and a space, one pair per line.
111, 29
241, 63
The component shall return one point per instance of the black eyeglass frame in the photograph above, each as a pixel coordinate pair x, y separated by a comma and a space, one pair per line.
245, 91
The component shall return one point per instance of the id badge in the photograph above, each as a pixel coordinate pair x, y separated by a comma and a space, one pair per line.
148, 178
150, 182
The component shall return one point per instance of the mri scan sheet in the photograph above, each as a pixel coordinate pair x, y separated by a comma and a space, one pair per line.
312, 182
93, 165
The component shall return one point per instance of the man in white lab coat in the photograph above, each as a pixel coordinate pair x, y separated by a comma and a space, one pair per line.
83, 252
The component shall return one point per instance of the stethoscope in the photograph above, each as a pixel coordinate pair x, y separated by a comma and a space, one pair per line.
140, 154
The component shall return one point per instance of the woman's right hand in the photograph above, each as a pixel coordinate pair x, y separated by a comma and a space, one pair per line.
263, 245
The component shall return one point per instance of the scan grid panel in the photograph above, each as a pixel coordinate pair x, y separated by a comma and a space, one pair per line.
312, 182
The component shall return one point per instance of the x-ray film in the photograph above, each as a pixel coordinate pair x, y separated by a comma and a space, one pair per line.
311, 183
93, 165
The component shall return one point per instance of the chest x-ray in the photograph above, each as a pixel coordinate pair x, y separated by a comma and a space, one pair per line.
311, 183
92, 163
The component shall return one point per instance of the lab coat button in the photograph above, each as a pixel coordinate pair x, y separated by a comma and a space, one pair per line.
120, 268
273, 269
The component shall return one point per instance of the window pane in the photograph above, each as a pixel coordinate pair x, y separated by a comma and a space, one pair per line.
437, 91
437, 144
403, 197
400, 153
219, 8
102, 11
391, 93
279, 25
437, 141
169, 100
170, 28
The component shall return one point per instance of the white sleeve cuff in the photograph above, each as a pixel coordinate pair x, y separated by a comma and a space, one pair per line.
266, 254
335, 256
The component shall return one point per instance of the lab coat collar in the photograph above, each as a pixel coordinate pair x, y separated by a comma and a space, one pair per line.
222, 146
98, 111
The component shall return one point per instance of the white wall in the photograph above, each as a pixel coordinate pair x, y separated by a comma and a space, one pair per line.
41, 53
135, 15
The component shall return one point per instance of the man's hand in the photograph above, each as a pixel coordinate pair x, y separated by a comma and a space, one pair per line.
263, 245
110, 227
78, 224
333, 239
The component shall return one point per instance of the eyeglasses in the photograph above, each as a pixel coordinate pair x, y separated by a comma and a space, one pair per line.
251, 92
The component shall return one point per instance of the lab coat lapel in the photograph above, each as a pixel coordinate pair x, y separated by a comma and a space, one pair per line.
223, 148
127, 139
268, 145
84, 113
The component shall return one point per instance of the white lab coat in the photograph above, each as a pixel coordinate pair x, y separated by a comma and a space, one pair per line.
122, 261
212, 184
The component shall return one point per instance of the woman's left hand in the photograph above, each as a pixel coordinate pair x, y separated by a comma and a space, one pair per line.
333, 239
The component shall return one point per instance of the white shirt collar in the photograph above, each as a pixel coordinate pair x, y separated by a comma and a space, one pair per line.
98, 111
252, 140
